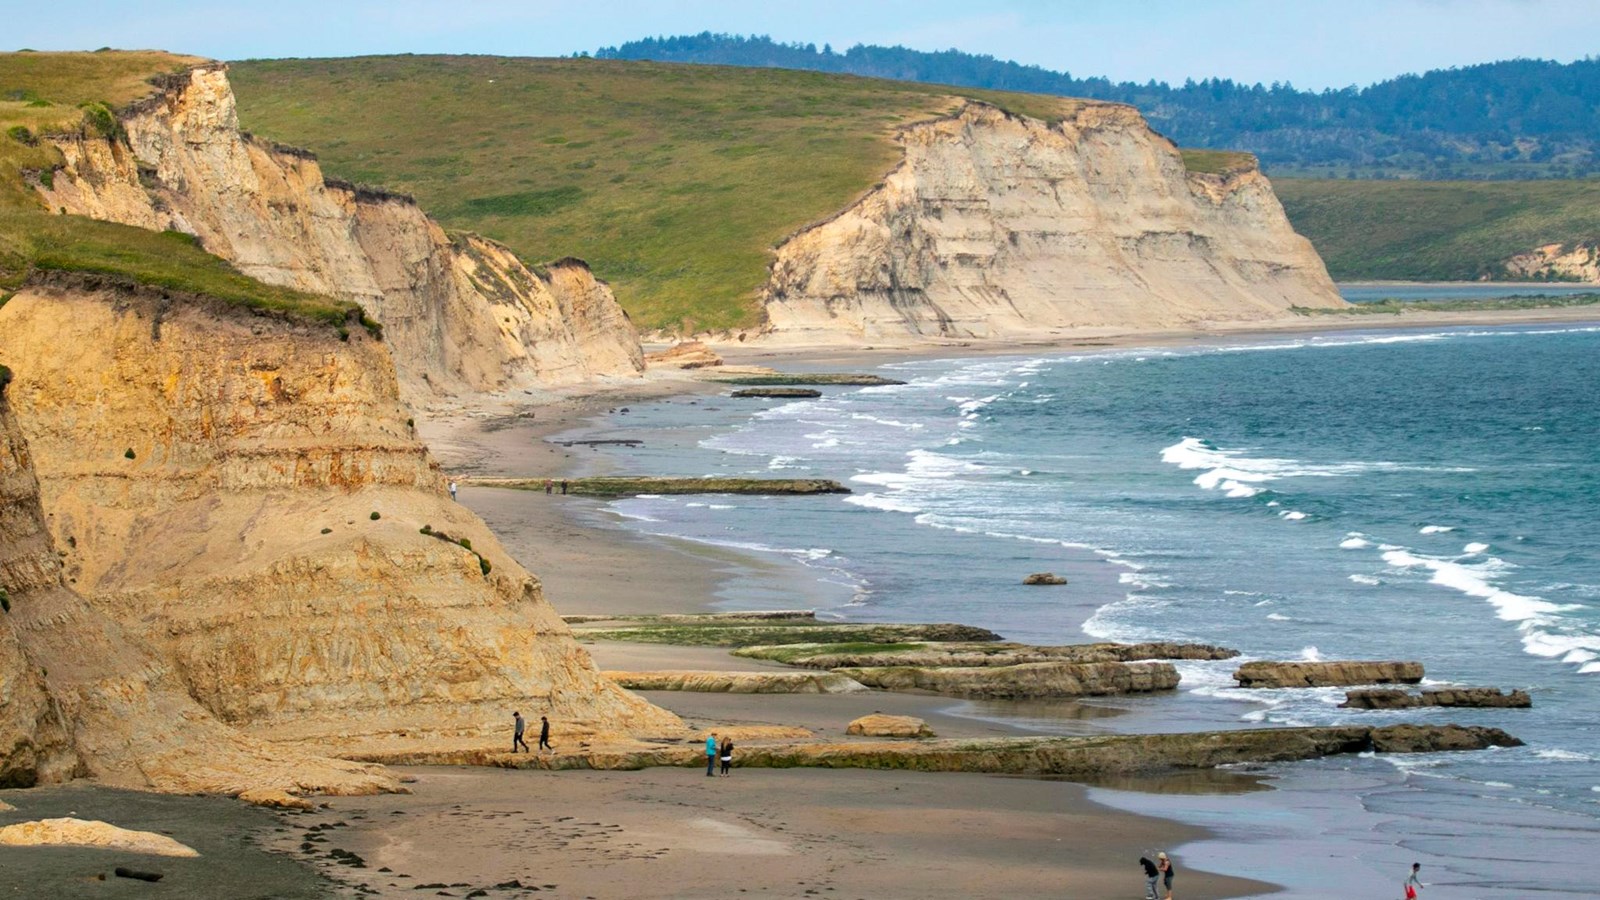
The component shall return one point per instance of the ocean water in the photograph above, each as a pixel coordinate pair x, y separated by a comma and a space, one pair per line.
1420, 495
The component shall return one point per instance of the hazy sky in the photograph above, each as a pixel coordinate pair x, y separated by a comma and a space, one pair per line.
1311, 43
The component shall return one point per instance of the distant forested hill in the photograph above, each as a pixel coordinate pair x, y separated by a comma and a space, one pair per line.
1514, 119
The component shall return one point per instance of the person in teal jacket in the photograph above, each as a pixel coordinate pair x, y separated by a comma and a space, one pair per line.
711, 754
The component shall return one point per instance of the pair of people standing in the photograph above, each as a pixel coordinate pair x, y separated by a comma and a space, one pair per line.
1159, 871
519, 725
715, 754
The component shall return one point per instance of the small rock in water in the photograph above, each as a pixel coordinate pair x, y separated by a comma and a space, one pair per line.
1044, 578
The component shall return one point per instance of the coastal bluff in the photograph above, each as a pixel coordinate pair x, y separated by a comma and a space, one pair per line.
997, 226
244, 497
460, 313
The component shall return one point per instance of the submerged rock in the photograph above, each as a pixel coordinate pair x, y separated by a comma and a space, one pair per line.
781, 393
1326, 674
1044, 578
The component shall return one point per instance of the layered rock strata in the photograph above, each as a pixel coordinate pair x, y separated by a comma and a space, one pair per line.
738, 682
996, 226
460, 312
1394, 698
1022, 681
1326, 674
247, 499
95, 700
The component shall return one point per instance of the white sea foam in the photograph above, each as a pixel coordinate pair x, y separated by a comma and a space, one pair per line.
1354, 540
1365, 579
1544, 631
1474, 549
883, 502
1240, 476
1279, 618
1435, 529
1563, 755
1310, 653
1292, 515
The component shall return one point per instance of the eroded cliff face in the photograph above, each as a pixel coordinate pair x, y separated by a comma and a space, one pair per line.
1566, 262
997, 226
245, 497
95, 700
461, 313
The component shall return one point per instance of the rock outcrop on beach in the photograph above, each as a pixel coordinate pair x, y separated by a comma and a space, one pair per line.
960, 653
461, 313
1022, 681
997, 226
71, 832
245, 498
1076, 758
737, 682
1326, 674
881, 725
733, 631
1395, 698
1574, 261
684, 355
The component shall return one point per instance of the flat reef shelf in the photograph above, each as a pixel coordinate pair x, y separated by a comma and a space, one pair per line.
626, 485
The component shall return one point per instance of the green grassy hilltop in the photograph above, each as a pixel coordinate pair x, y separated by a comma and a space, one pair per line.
1436, 230
64, 93
672, 181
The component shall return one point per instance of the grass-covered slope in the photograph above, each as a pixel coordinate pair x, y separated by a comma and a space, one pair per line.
1436, 230
56, 93
672, 181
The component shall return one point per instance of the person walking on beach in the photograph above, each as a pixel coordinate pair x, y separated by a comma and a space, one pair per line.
563, 486
547, 485
518, 726
1164, 866
1151, 876
711, 754
1413, 884
544, 734
727, 755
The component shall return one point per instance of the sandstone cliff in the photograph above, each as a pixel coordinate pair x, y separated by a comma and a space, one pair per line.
996, 226
461, 313
1578, 261
94, 700
246, 498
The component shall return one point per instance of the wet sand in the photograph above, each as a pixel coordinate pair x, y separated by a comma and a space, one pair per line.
757, 833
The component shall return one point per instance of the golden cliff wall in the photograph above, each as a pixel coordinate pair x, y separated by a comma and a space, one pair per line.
1577, 261
461, 313
997, 226
211, 478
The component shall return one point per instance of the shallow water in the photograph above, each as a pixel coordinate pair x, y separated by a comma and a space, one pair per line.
1425, 495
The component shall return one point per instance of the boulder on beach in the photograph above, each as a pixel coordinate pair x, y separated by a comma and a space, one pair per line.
880, 725
275, 799
1326, 674
1044, 578
86, 833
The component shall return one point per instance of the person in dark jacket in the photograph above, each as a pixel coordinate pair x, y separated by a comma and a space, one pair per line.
1151, 876
727, 754
544, 734
518, 725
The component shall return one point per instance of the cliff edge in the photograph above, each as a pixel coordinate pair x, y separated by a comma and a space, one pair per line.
461, 313
997, 226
